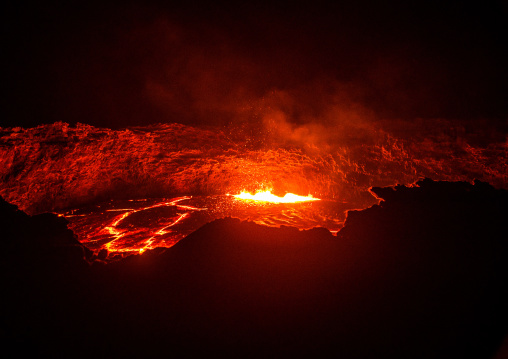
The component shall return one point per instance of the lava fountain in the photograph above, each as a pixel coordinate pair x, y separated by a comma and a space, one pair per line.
267, 196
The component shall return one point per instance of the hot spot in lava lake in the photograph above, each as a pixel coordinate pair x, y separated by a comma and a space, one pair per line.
267, 196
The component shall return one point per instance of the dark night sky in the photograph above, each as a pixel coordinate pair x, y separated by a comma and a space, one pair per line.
136, 63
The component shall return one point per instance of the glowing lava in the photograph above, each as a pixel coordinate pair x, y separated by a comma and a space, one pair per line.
124, 227
119, 235
267, 196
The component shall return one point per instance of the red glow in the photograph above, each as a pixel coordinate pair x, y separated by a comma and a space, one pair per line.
57, 167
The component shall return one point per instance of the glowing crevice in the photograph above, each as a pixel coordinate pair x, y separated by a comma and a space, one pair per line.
118, 234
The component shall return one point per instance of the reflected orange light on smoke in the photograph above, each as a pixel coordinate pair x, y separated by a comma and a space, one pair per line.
267, 196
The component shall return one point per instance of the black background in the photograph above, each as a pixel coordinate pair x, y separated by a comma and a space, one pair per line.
135, 63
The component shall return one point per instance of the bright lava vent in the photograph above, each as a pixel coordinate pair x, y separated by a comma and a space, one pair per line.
267, 196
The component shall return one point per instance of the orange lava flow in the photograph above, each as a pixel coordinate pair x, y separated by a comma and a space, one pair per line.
267, 196
112, 229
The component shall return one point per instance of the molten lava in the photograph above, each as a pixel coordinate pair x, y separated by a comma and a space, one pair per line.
152, 241
124, 227
267, 196
147, 224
